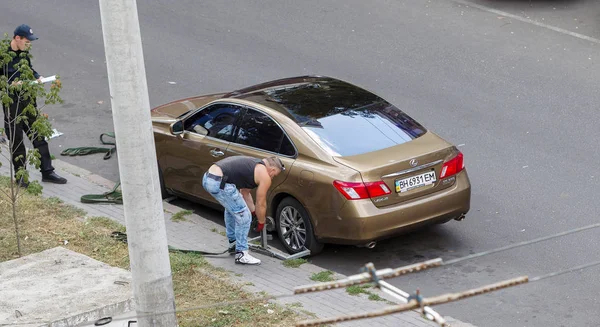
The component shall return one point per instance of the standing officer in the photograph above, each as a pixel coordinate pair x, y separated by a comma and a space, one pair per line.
224, 179
19, 45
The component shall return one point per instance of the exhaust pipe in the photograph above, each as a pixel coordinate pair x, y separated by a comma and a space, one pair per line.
369, 245
461, 217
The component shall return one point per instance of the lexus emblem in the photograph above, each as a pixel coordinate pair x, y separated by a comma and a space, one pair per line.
413, 162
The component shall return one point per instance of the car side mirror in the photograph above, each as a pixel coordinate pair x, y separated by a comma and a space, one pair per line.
177, 127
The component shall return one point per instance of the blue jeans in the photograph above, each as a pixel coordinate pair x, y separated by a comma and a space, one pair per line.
237, 214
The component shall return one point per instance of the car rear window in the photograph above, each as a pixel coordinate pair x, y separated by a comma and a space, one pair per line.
357, 131
343, 118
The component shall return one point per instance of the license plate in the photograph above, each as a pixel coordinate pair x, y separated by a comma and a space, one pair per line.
407, 184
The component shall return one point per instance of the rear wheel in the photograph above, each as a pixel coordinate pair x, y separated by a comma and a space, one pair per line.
295, 228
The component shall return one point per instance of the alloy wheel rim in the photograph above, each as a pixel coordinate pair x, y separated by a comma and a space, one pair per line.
292, 228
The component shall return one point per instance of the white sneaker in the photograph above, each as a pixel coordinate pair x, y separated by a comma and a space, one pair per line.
245, 258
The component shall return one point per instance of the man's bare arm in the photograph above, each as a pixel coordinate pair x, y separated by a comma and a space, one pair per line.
261, 197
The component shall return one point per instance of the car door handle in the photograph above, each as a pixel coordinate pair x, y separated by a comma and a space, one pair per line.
216, 153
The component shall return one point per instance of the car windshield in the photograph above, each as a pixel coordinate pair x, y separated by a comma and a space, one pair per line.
344, 119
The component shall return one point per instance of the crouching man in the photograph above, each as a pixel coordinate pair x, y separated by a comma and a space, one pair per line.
230, 181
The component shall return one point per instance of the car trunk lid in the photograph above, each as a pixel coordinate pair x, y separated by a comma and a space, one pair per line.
408, 170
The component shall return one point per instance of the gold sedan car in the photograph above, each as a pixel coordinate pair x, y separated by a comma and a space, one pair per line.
358, 169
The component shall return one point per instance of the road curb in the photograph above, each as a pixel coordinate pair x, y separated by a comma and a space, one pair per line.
81, 172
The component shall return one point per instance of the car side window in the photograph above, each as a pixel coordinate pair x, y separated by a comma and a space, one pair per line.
216, 121
260, 131
287, 148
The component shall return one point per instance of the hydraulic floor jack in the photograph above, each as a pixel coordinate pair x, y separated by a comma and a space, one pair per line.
264, 248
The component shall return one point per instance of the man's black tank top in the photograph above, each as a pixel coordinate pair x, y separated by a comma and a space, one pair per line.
239, 170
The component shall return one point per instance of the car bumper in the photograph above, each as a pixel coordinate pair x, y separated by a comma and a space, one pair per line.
360, 222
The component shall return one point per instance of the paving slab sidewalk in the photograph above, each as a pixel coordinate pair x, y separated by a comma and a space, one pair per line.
54, 278
197, 233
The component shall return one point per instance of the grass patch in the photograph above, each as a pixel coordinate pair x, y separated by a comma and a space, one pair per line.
47, 223
34, 188
294, 263
195, 282
375, 297
323, 276
55, 200
362, 289
295, 305
358, 289
180, 216
309, 314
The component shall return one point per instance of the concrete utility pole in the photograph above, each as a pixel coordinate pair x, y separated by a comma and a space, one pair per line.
147, 238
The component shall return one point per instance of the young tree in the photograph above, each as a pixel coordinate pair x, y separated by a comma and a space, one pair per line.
24, 92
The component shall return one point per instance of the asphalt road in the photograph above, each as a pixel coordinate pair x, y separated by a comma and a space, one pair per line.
513, 82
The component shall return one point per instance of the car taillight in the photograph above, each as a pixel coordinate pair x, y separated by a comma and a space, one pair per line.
357, 191
453, 166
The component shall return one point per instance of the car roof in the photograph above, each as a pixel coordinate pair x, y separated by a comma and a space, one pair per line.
306, 99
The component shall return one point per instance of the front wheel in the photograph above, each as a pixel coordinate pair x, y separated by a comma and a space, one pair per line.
295, 228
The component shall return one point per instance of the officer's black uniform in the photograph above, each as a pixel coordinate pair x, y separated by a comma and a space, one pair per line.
24, 126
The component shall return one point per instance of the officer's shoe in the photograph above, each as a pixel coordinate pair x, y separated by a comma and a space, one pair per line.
244, 258
52, 177
231, 248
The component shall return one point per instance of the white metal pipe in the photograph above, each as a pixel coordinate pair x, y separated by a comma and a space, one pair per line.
403, 297
366, 277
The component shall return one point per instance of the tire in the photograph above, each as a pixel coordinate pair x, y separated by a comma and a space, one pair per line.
293, 225
163, 190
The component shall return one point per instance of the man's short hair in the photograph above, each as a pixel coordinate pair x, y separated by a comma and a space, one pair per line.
276, 163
